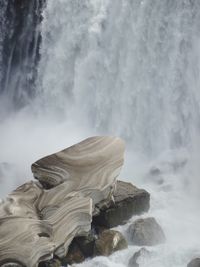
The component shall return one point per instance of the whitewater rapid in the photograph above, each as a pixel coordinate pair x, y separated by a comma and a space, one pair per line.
128, 68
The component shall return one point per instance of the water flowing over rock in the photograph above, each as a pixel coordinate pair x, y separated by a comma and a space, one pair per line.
146, 232
48, 219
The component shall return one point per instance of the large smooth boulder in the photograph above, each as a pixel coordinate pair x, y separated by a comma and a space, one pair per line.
41, 218
146, 232
108, 242
194, 263
128, 200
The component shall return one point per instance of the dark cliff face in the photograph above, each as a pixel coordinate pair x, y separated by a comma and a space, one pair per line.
20, 48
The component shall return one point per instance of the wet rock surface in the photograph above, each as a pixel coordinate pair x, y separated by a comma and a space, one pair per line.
127, 201
146, 232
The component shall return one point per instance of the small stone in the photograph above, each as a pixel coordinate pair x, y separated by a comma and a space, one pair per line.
133, 260
108, 242
194, 263
146, 232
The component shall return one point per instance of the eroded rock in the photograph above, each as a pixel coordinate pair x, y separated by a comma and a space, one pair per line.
128, 201
146, 232
75, 179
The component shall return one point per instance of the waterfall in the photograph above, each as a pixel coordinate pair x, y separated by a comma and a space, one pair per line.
19, 50
125, 67
74, 68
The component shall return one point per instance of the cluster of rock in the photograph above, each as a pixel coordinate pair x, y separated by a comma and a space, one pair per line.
66, 216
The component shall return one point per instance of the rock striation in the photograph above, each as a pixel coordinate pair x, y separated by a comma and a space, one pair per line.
47, 214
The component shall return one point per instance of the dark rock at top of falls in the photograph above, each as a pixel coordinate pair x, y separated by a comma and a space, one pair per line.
146, 232
194, 263
128, 200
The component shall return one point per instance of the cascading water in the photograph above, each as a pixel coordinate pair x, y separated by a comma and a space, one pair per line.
127, 67
123, 67
19, 50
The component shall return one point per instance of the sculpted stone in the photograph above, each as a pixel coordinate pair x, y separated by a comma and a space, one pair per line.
40, 219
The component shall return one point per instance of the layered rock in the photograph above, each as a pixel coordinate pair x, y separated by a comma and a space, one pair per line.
46, 215
127, 201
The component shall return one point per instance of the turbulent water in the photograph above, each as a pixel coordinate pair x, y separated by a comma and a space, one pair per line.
125, 67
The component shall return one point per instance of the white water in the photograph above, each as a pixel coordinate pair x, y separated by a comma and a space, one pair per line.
128, 68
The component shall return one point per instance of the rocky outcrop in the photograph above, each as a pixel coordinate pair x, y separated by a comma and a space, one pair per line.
194, 263
127, 201
146, 232
108, 242
46, 215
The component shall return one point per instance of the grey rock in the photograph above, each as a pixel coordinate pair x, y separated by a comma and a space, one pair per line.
128, 200
133, 262
146, 232
194, 263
